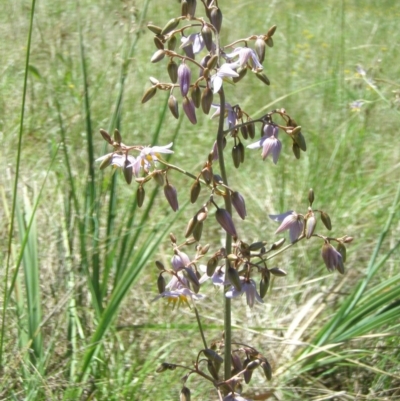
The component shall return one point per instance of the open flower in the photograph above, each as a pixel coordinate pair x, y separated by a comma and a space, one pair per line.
246, 57
332, 258
248, 287
230, 114
194, 41
225, 71
289, 221
271, 145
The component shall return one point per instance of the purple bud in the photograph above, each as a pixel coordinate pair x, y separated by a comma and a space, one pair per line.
184, 76
239, 204
171, 195
188, 108
226, 222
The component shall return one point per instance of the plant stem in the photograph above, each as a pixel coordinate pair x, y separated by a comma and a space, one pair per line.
228, 239
200, 326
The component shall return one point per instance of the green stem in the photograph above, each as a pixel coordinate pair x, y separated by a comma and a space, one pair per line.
228, 238
200, 327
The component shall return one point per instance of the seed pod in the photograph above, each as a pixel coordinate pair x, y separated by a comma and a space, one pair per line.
211, 266
195, 191
106, 136
198, 230
242, 72
196, 96
189, 110
296, 150
206, 33
161, 283
326, 220
233, 277
236, 156
173, 106
206, 100
260, 48
185, 394
216, 18
184, 76
276, 271
251, 129
262, 77
128, 171
160, 266
149, 94
311, 196
172, 43
157, 56
239, 204
266, 367
172, 197
226, 222
172, 69
170, 26
255, 246
159, 44
154, 28
140, 194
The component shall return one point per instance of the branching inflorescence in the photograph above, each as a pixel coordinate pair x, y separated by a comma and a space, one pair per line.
238, 267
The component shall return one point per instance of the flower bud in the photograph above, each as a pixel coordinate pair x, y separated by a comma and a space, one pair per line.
253, 365
206, 100
326, 220
241, 151
106, 162
207, 174
276, 245
185, 394
157, 56
184, 76
311, 222
233, 277
159, 44
212, 62
213, 372
239, 204
149, 94
189, 110
236, 156
198, 230
216, 18
266, 367
154, 28
195, 191
264, 284
170, 26
172, 43
276, 271
140, 194
165, 366
191, 276
171, 195
332, 258
206, 33
260, 48
242, 72
160, 266
106, 136
262, 77
117, 136
226, 222
161, 283
251, 129
311, 196
128, 171
196, 96
172, 69
190, 227
173, 106
300, 140
296, 150
271, 30
270, 42
342, 250
184, 8
211, 266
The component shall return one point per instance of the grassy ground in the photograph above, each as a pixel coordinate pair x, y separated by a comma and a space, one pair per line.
352, 162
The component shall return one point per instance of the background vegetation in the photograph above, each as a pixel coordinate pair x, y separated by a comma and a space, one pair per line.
78, 275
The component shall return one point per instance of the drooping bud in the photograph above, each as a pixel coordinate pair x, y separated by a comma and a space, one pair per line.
117, 136
207, 174
276, 271
189, 110
260, 48
191, 8
184, 76
212, 62
172, 43
211, 368
185, 394
172, 197
195, 191
266, 367
184, 8
262, 77
172, 69
298, 137
241, 151
211, 266
173, 106
159, 177
106, 136
128, 171
342, 250
233, 277
170, 26
191, 276
196, 96
311, 222
198, 230
226, 222
106, 161
332, 258
140, 194
236, 157
160, 266
206, 100
270, 42
149, 94
264, 283
154, 28
157, 56
255, 246
242, 72
206, 33
326, 220
311, 196
296, 150
161, 283
251, 129
216, 18
159, 44
190, 227
239, 204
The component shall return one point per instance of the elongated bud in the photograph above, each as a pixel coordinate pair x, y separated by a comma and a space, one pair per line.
207, 174
242, 72
117, 136
198, 230
264, 284
342, 250
159, 177
206, 33
206, 100
188, 108
311, 222
170, 26
106, 162
159, 44
128, 171
191, 276
190, 227
160, 266
173, 106
172, 69
272, 30
251, 130
244, 132
233, 277
185, 394
276, 245
236, 156
270, 42
262, 77
296, 150
211, 266
196, 96
106, 136
161, 283
154, 28
165, 366
326, 220
212, 62
276, 271
253, 365
184, 76
212, 356
140, 194
226, 222
241, 151
191, 7
260, 48
184, 8
239, 204
266, 367
216, 18
149, 94
211, 369
157, 56
172, 43
255, 246
311, 196
172, 197
195, 191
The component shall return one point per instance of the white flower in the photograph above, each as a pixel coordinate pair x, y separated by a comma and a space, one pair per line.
229, 113
271, 146
246, 56
195, 40
226, 70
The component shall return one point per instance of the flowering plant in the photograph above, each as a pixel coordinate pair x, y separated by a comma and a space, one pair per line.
238, 266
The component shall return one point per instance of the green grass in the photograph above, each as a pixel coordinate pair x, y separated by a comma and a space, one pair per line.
77, 319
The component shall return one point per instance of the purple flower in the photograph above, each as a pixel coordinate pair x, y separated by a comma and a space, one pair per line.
289, 221
229, 113
246, 56
271, 145
195, 41
249, 288
225, 71
218, 278
332, 258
